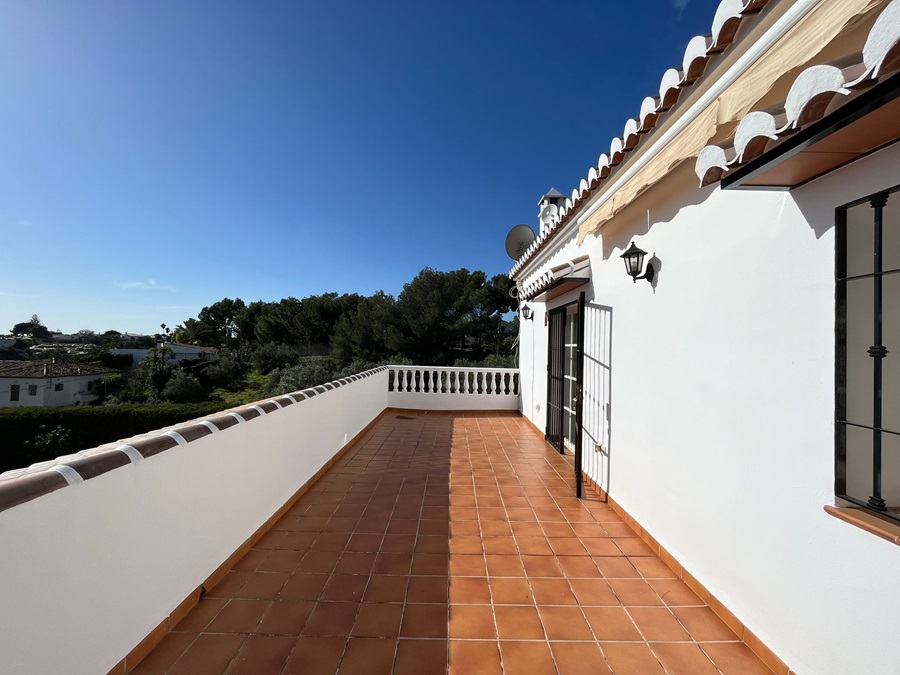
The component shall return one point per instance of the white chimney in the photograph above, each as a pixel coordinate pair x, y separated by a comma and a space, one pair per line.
549, 205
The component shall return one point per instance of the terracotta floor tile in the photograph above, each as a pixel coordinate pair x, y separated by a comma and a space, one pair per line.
552, 592
369, 656
510, 591
420, 657
345, 587
500, 545
675, 593
364, 543
251, 560
541, 566
652, 568
616, 528
471, 621
683, 659
594, 592
399, 543
525, 559
165, 654
502, 566
424, 621
392, 563
703, 624
565, 623
320, 562
612, 623
304, 587
285, 617
431, 564
200, 616
579, 658
474, 658
658, 624
239, 616
735, 658
567, 546
262, 655
533, 545
495, 528
634, 592
331, 619
616, 568
330, 541
516, 622
378, 620
526, 658
579, 567
403, 526
263, 585
208, 654
470, 591
601, 546
429, 589
432, 543
587, 530
631, 658
229, 585
355, 563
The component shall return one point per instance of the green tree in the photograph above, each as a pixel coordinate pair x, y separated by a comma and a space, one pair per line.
277, 322
371, 333
221, 317
194, 332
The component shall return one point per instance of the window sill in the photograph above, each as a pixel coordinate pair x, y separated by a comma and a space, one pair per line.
866, 521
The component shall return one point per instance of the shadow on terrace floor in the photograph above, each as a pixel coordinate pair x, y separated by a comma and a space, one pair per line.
362, 575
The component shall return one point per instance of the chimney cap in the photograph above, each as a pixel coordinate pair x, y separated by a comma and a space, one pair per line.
552, 194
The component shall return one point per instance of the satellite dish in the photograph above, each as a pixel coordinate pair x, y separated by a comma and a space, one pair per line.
518, 239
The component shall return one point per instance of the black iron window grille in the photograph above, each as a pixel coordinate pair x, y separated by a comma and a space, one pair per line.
867, 353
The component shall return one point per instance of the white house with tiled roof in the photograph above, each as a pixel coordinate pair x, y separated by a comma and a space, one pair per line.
734, 386
46, 383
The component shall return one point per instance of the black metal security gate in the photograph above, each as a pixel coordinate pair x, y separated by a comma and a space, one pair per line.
565, 366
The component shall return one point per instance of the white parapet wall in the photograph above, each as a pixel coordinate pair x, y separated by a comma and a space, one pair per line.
440, 388
92, 559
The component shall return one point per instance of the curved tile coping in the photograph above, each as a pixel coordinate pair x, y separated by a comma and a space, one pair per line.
24, 487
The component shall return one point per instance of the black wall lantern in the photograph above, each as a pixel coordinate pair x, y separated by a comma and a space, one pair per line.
634, 262
527, 312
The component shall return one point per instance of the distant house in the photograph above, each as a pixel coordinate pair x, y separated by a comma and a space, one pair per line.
180, 352
25, 384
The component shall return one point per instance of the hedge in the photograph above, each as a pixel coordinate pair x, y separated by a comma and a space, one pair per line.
88, 426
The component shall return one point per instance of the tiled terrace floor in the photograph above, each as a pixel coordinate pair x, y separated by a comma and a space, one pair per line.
443, 540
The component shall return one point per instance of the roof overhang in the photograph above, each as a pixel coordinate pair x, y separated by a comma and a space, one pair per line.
559, 287
866, 124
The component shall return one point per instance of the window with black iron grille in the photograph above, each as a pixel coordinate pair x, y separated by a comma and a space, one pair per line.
867, 353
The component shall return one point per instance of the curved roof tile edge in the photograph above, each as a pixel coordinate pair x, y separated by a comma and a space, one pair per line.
729, 15
808, 100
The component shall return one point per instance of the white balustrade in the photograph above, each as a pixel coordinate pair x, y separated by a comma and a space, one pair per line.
451, 388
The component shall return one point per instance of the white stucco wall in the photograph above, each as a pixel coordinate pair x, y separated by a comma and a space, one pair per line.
720, 400
88, 571
74, 391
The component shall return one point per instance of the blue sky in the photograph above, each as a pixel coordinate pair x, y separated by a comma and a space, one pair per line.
159, 156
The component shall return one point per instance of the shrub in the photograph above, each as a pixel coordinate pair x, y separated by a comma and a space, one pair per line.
21, 431
310, 373
183, 388
270, 356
